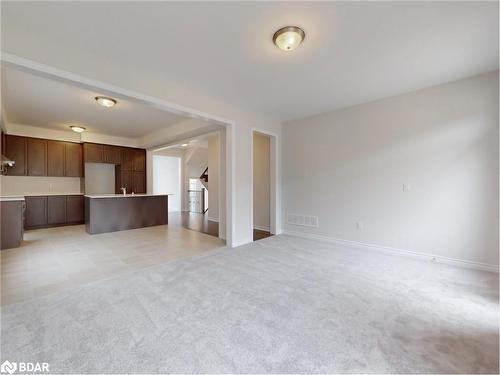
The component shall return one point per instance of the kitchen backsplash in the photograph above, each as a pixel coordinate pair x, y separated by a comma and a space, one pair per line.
19, 185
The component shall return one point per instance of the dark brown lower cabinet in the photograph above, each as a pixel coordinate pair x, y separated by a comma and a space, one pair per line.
36, 212
75, 212
11, 223
56, 209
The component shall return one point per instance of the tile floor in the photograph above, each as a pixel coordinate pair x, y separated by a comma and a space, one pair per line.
200, 223
194, 221
55, 259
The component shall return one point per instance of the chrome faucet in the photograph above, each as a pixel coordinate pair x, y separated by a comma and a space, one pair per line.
124, 190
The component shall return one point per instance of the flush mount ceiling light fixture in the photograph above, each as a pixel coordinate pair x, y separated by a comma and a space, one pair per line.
78, 129
289, 37
105, 101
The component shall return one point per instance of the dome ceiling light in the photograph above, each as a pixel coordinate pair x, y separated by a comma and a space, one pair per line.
289, 37
78, 129
105, 101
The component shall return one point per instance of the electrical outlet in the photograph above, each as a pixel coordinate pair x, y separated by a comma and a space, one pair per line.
359, 225
406, 187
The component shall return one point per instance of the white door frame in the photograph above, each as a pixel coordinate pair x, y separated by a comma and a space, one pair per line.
274, 209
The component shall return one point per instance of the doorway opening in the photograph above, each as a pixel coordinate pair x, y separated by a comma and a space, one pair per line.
202, 183
197, 196
167, 172
262, 185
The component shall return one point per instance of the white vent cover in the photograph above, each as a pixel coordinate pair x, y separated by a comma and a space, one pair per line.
304, 220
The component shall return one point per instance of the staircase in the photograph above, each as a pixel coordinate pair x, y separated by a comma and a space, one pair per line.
204, 178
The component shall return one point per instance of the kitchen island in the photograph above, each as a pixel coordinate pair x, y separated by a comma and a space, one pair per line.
115, 212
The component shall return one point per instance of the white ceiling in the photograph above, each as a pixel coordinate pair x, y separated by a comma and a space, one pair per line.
196, 142
32, 100
353, 52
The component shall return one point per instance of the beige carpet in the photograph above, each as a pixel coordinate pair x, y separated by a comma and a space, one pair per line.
280, 305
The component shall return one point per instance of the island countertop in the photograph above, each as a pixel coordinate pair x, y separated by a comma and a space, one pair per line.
97, 196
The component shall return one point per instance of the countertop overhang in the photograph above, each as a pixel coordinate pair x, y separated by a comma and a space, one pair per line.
98, 196
12, 198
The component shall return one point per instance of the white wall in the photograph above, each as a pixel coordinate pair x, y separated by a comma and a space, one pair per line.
100, 178
197, 162
261, 181
21, 185
167, 179
175, 153
350, 165
213, 177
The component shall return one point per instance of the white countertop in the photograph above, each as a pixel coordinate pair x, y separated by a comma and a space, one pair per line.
11, 198
126, 196
43, 194
20, 197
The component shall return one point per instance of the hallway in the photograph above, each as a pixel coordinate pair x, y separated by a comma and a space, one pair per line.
194, 221
200, 223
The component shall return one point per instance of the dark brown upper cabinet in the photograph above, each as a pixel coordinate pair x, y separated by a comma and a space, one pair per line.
93, 153
55, 158
56, 209
2, 143
15, 149
42, 157
112, 154
73, 160
37, 157
140, 160
139, 183
127, 181
128, 159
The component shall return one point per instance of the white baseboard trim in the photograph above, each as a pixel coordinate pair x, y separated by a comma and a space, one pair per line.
260, 227
242, 242
401, 252
213, 219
